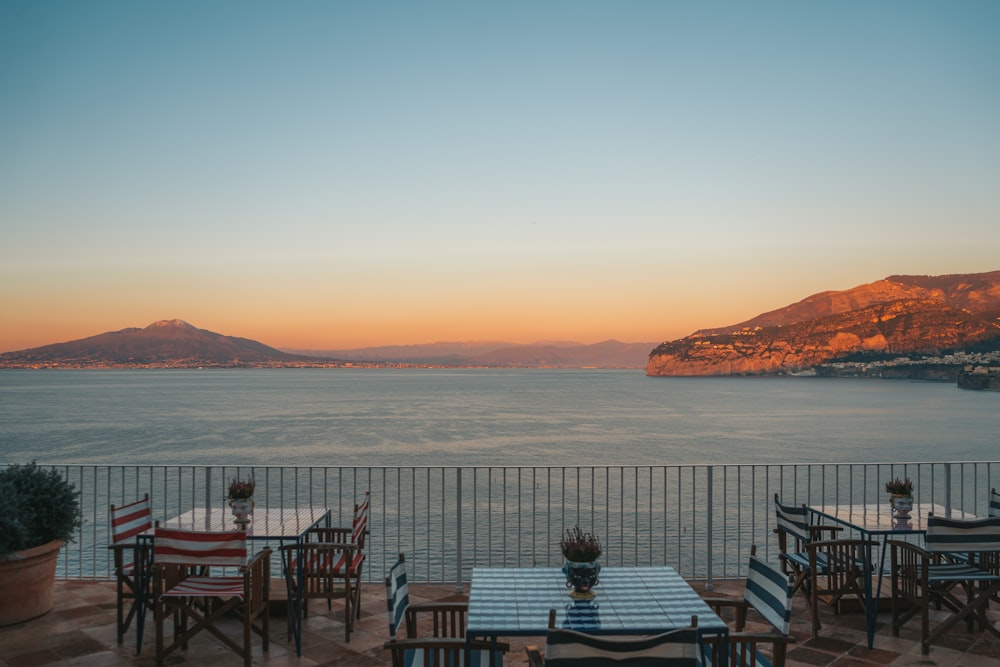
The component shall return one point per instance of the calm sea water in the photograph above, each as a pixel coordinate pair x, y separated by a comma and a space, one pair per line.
482, 417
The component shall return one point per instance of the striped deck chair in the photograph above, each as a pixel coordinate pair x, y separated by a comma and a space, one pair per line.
349, 566
446, 645
185, 588
768, 592
132, 559
921, 577
794, 533
994, 503
569, 648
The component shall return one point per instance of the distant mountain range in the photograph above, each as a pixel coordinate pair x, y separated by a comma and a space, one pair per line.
899, 316
607, 354
177, 344
876, 328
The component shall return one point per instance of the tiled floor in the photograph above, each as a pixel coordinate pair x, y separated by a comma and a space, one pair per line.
80, 631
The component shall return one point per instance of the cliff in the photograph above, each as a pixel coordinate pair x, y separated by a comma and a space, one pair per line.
899, 315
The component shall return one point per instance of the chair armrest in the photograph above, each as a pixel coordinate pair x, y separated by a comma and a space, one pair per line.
818, 532
759, 637
329, 534
534, 656
740, 605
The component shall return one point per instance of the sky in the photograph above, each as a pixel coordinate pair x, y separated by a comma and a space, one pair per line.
336, 175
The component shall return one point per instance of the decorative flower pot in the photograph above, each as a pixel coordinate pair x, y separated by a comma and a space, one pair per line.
242, 509
581, 579
27, 582
901, 505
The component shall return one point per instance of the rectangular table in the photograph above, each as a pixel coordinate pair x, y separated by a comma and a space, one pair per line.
874, 521
506, 602
287, 524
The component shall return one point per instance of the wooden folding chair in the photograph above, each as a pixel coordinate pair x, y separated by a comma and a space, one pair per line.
768, 592
348, 567
921, 577
445, 621
321, 564
184, 588
132, 559
570, 648
795, 532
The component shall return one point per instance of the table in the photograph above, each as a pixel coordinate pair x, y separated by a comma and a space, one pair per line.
877, 520
279, 524
505, 602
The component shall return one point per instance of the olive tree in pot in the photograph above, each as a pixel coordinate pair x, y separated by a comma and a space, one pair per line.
39, 512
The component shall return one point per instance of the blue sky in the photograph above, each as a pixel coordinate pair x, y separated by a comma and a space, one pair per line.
333, 174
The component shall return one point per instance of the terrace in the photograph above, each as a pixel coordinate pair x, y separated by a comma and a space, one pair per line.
700, 519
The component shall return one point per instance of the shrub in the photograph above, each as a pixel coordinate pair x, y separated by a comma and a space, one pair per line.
36, 506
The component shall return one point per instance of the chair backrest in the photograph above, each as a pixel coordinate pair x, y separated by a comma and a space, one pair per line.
360, 523
994, 503
569, 648
190, 547
770, 593
792, 520
946, 535
127, 521
397, 595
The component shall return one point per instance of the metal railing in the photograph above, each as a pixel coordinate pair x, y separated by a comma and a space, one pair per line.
701, 519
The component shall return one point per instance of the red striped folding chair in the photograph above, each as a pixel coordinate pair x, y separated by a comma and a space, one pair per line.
341, 574
185, 588
131, 556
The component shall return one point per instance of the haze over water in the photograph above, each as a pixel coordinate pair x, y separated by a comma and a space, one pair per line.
481, 417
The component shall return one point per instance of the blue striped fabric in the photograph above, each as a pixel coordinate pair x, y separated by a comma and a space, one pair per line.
946, 535
770, 593
569, 648
792, 520
994, 503
397, 595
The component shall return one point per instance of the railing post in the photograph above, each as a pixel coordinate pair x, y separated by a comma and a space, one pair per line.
947, 489
459, 588
208, 487
708, 530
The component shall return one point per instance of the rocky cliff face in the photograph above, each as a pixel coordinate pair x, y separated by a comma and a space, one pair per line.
898, 315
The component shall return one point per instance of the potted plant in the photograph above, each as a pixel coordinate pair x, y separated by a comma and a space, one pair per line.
900, 496
581, 551
240, 497
39, 512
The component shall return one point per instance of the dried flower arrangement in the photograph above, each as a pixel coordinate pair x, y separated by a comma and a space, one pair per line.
240, 489
579, 546
900, 487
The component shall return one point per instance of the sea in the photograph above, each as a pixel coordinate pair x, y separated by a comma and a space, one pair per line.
482, 417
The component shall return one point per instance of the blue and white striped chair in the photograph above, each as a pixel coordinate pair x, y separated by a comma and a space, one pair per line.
447, 646
184, 588
569, 648
920, 576
795, 533
994, 503
768, 591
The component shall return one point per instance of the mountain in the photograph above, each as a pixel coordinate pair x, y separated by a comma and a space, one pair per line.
899, 315
177, 344
168, 343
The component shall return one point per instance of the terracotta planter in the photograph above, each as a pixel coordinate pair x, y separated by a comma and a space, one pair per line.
27, 583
